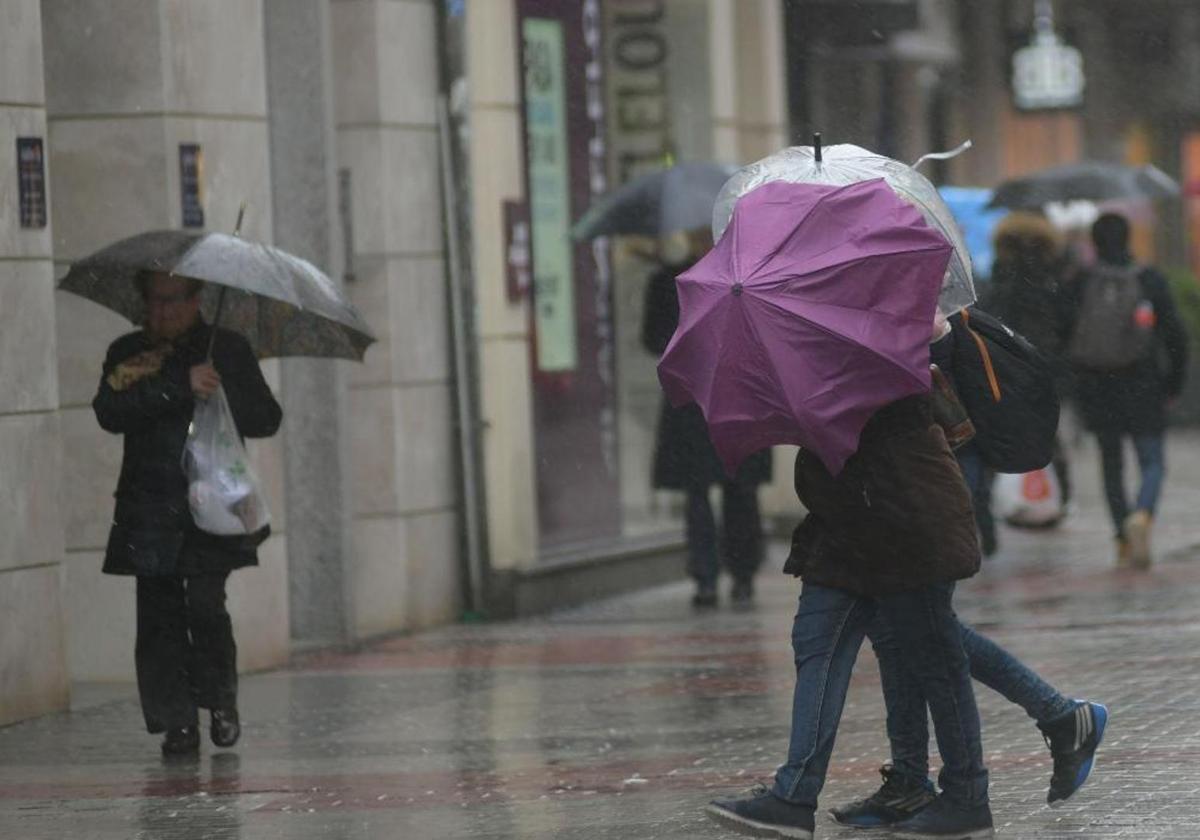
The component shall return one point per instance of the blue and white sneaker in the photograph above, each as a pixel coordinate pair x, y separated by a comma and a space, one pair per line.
1073, 740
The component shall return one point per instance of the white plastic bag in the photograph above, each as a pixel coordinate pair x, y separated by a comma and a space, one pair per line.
224, 493
1030, 500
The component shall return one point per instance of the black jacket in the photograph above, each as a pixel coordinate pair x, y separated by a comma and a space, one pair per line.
684, 457
153, 532
1134, 401
898, 517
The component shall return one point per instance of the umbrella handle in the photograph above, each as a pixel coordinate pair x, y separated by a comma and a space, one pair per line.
212, 339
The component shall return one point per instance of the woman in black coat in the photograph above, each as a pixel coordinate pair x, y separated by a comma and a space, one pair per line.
185, 656
684, 459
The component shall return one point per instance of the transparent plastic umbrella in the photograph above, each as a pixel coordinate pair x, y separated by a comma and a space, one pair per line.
845, 164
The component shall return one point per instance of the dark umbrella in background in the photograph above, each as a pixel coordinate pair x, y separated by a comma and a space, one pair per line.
1087, 181
658, 203
283, 305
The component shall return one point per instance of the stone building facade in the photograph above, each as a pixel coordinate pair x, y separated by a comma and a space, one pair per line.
384, 140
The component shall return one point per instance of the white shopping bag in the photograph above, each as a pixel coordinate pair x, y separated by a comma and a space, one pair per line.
224, 493
1031, 500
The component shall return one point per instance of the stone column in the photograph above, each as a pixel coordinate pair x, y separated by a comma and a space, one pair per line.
299, 90
126, 84
33, 673
403, 499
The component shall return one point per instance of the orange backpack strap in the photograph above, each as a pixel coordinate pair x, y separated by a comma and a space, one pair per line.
985, 355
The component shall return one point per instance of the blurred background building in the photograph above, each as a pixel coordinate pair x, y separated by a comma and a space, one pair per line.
492, 455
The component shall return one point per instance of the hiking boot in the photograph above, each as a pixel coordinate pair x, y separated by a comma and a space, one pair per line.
899, 798
742, 591
1073, 739
183, 740
948, 821
1137, 537
760, 813
226, 728
706, 595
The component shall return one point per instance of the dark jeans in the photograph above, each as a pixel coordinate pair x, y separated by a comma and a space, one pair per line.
1152, 463
185, 655
741, 540
979, 481
992, 665
826, 635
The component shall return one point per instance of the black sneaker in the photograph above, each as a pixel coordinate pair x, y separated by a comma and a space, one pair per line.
1073, 740
946, 820
183, 740
760, 813
226, 727
742, 591
899, 798
706, 595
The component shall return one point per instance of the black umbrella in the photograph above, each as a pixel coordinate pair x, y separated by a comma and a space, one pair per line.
658, 203
1086, 181
283, 305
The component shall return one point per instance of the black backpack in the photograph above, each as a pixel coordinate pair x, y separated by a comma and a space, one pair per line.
1007, 387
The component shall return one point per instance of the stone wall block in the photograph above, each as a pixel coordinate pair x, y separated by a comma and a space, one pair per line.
32, 649
28, 368
425, 447
214, 57
380, 586
30, 499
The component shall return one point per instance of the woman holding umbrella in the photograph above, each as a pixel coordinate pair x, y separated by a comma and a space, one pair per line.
268, 303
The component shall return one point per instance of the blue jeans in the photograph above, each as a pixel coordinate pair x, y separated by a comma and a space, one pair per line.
827, 633
992, 665
1152, 463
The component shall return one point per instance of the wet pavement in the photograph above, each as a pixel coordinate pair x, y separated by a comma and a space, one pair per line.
621, 719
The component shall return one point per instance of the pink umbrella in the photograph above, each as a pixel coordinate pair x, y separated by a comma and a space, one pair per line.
813, 311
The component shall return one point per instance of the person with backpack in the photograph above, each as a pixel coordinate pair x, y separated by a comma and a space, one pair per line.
1008, 394
1129, 350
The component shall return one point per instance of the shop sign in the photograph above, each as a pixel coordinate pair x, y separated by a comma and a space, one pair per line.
191, 179
1047, 73
549, 194
31, 182
637, 55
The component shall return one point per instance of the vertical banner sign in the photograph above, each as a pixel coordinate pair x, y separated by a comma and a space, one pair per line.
31, 182
549, 195
191, 177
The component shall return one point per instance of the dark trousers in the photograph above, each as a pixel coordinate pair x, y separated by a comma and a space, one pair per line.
740, 543
185, 655
1152, 463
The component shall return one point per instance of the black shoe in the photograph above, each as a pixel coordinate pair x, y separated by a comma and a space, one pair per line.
742, 591
1073, 740
706, 595
899, 798
760, 813
988, 544
946, 820
226, 728
184, 740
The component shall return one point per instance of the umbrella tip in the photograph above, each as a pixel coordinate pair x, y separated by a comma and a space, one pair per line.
817, 146
737, 289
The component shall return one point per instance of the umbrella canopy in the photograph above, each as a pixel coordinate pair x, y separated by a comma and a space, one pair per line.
657, 203
847, 164
283, 305
1086, 181
813, 311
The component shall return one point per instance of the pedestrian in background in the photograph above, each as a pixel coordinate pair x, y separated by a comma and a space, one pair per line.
185, 654
1026, 293
685, 460
1129, 350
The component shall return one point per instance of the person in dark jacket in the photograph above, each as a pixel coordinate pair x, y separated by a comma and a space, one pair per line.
185, 653
1131, 401
685, 460
1073, 729
1026, 293
887, 538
